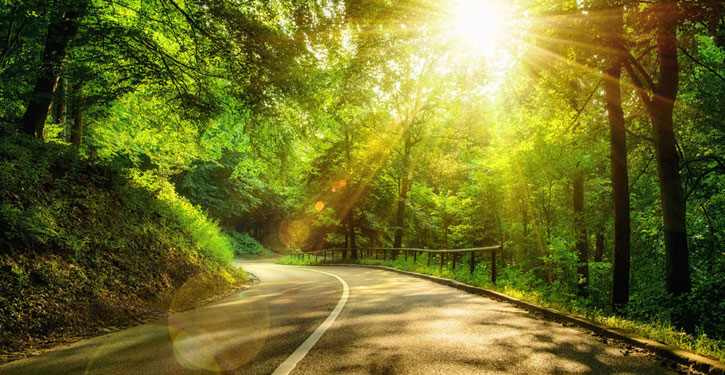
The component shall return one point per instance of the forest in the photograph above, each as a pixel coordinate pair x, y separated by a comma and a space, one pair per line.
587, 137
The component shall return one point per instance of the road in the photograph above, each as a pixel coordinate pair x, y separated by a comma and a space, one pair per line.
390, 324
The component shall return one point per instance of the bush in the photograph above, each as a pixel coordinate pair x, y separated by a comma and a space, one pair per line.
243, 244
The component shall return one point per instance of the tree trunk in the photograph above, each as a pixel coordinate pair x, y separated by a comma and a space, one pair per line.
677, 263
445, 231
618, 160
402, 196
61, 100
599, 246
400, 215
525, 222
60, 32
580, 231
9, 40
351, 235
501, 239
77, 130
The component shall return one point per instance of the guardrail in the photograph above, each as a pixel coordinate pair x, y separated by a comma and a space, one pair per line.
375, 253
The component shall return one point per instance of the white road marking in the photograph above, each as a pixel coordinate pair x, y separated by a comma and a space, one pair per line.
290, 363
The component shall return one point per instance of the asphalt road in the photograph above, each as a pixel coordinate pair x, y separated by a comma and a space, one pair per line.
391, 324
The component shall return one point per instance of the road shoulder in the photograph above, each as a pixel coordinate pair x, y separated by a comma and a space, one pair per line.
682, 357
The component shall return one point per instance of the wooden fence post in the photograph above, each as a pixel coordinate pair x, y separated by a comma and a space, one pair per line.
406, 255
453, 262
415, 256
473, 261
442, 260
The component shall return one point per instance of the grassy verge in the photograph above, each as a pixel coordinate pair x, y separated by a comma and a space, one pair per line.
658, 331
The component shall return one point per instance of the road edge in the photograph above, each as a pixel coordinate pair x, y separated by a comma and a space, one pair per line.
301, 352
696, 361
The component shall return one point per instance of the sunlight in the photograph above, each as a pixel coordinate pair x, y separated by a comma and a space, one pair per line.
481, 25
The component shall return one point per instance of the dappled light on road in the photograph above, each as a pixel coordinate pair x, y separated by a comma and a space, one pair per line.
391, 324
396, 324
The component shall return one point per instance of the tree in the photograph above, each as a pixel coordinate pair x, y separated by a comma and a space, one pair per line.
659, 98
580, 233
63, 27
613, 41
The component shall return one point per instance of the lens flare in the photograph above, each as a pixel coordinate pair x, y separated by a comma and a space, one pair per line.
319, 206
220, 337
338, 185
294, 232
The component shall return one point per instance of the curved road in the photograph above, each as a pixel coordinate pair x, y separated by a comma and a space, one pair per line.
391, 324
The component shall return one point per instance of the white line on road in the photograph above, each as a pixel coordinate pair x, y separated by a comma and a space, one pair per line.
290, 363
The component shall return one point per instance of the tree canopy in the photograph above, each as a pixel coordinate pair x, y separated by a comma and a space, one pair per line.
586, 137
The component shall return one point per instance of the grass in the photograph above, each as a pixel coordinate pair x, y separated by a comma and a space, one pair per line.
658, 331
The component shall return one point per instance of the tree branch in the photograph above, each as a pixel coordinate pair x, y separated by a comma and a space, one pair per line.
578, 114
189, 19
701, 64
641, 91
701, 176
639, 136
640, 68
642, 171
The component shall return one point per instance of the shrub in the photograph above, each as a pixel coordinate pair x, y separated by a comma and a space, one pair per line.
243, 244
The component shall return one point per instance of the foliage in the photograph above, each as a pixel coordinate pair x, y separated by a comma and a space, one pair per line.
244, 244
211, 242
83, 244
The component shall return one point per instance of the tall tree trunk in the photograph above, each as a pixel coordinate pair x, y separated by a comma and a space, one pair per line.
400, 214
60, 32
599, 246
353, 246
501, 241
677, 263
347, 241
402, 196
77, 130
580, 231
9, 40
61, 108
525, 222
618, 160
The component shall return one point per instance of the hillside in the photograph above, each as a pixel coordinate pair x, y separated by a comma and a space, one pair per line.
84, 245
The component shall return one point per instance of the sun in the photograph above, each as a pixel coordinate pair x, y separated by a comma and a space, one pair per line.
481, 25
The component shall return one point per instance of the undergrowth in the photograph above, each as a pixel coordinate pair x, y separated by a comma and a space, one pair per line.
85, 243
